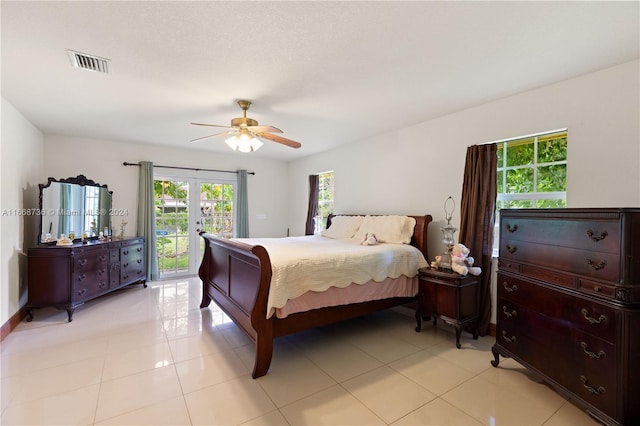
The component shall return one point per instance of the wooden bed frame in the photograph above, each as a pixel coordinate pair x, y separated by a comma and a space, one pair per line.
237, 277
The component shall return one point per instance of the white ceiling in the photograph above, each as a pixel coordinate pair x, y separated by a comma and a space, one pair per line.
326, 73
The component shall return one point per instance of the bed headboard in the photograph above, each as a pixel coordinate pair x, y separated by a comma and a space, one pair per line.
419, 238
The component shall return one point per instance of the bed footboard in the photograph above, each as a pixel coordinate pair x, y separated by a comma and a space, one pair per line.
237, 277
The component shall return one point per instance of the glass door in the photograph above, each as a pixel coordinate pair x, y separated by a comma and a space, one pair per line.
216, 211
184, 207
171, 198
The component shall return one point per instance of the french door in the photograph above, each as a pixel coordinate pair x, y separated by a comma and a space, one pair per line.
184, 207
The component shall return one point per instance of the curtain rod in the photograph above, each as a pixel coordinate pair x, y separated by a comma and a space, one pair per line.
187, 168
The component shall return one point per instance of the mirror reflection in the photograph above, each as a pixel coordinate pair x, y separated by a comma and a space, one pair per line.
73, 207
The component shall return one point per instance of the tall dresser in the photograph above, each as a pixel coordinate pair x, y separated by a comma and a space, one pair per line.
568, 304
68, 276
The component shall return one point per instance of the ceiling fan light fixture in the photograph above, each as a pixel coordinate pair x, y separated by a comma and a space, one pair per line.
244, 131
243, 142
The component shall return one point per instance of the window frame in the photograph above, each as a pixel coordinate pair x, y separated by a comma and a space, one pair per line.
320, 219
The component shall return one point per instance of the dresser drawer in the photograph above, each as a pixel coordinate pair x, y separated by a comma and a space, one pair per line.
577, 345
88, 284
597, 288
114, 256
597, 319
594, 264
597, 235
598, 388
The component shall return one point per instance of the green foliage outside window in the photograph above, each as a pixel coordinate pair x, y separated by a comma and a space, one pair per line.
532, 172
325, 197
171, 199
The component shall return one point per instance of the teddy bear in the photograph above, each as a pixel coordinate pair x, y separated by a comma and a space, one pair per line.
370, 240
461, 262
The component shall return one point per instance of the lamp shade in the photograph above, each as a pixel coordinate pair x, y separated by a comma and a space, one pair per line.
243, 142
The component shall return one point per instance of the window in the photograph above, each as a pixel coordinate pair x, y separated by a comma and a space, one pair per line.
325, 200
532, 173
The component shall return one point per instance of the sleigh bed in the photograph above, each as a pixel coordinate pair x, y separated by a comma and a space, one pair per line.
237, 275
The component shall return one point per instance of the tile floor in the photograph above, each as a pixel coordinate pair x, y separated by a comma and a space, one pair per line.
150, 356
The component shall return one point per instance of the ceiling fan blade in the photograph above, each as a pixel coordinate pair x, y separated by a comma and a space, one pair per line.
213, 136
261, 129
279, 139
212, 125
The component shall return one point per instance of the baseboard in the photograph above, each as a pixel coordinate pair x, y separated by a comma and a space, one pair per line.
12, 323
492, 329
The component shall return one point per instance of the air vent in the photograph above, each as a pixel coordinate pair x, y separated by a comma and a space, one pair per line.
90, 62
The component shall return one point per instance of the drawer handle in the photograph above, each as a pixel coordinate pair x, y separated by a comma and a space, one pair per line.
125, 265
509, 340
139, 249
102, 285
125, 252
513, 228
511, 249
82, 262
82, 292
82, 277
103, 257
595, 391
595, 237
139, 260
601, 319
508, 314
592, 355
596, 266
509, 289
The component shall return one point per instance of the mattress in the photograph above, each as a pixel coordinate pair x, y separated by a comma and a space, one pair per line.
316, 263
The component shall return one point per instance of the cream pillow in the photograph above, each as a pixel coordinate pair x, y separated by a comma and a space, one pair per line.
387, 229
343, 226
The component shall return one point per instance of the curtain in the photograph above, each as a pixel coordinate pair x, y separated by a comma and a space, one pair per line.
312, 211
242, 209
146, 218
66, 199
477, 217
104, 201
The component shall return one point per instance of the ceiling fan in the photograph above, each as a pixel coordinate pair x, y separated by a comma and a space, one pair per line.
244, 132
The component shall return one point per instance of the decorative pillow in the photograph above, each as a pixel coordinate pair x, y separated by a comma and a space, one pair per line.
343, 226
388, 229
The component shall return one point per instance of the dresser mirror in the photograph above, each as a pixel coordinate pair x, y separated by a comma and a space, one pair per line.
73, 207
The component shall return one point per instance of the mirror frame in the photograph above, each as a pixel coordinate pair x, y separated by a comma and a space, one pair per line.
80, 180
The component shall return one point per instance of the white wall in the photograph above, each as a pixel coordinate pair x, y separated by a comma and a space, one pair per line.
21, 163
102, 160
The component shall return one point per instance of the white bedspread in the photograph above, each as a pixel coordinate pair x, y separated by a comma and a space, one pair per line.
315, 263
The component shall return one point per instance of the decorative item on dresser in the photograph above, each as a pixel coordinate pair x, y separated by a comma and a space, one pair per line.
569, 304
67, 276
449, 296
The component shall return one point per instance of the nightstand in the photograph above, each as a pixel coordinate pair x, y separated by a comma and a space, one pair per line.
449, 296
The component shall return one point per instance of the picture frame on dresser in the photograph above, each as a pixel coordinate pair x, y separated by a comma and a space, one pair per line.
568, 304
